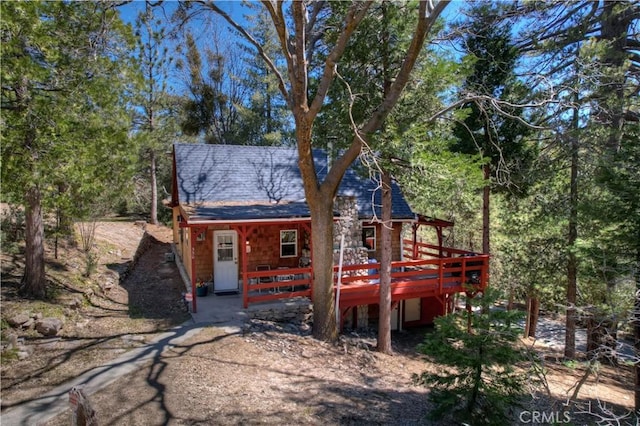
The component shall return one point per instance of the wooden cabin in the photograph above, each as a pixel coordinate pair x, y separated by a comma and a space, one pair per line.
240, 222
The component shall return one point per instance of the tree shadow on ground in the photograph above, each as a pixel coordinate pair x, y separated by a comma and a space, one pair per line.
332, 400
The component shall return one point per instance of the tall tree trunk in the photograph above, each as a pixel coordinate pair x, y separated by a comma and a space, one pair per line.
572, 261
384, 320
486, 219
384, 317
153, 175
477, 380
33, 281
616, 21
268, 108
65, 222
154, 188
34, 274
636, 317
324, 320
320, 199
533, 311
469, 309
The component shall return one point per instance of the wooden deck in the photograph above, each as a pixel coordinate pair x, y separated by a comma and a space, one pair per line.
414, 279
431, 271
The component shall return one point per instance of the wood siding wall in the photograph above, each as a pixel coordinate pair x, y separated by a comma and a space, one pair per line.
396, 242
264, 243
204, 257
265, 247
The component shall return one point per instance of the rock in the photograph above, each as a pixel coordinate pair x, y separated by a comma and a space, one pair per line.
305, 328
290, 328
107, 285
130, 338
13, 341
49, 326
75, 303
19, 319
246, 328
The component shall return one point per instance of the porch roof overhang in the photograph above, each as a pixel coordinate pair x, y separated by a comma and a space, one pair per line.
267, 213
432, 221
370, 220
246, 213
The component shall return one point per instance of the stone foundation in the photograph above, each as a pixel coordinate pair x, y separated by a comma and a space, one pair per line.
289, 312
362, 313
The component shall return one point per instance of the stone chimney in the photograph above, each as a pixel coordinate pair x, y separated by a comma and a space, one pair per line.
350, 226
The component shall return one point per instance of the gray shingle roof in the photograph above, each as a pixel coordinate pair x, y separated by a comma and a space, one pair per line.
253, 212
258, 182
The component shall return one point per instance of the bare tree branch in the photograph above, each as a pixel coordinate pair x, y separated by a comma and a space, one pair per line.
299, 67
427, 15
354, 16
314, 36
281, 83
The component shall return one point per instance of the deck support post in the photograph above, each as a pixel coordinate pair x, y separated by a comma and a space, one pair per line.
192, 242
415, 241
469, 313
243, 241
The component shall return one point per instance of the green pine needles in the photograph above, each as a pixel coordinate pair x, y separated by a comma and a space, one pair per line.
481, 382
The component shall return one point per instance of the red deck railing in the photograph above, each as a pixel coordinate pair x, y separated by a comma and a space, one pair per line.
266, 286
426, 251
414, 279
435, 271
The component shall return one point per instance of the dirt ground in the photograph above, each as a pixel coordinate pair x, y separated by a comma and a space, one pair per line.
263, 373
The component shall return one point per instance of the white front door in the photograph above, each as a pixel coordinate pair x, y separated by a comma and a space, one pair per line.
225, 261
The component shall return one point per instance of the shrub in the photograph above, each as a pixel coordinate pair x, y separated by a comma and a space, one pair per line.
481, 381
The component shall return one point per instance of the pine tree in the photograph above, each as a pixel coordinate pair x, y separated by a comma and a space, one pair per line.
265, 116
480, 381
64, 76
211, 110
153, 120
588, 50
497, 135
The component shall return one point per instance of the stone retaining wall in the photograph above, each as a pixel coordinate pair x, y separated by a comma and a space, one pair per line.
145, 243
291, 312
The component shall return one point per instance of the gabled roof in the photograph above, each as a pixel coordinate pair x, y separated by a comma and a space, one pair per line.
237, 182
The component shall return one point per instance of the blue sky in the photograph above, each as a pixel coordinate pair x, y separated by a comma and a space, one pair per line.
235, 8
130, 10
